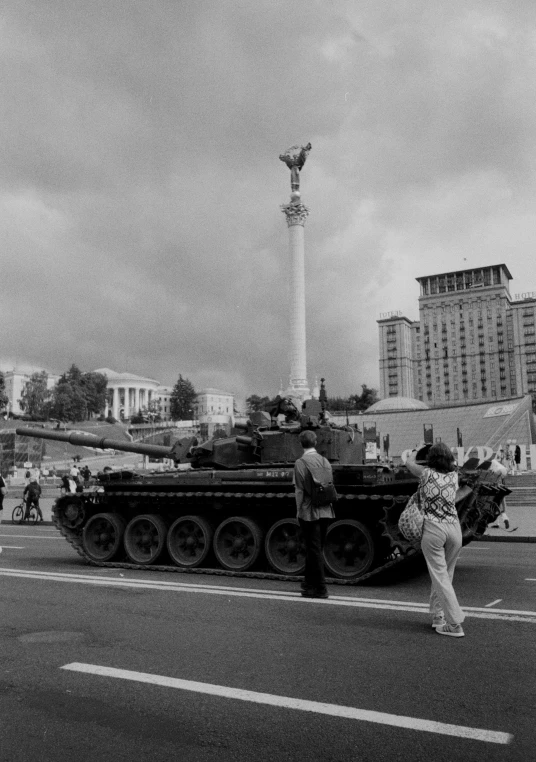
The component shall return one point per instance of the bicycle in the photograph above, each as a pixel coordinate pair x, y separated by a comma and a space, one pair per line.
19, 514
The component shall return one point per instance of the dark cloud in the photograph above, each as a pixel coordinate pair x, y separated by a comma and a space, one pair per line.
141, 185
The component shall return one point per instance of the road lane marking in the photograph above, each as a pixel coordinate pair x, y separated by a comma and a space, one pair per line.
488, 605
13, 547
31, 536
511, 615
285, 702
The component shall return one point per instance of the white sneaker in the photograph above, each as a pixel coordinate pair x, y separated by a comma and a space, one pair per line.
454, 630
438, 621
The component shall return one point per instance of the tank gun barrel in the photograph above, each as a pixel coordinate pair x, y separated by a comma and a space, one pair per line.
244, 440
101, 443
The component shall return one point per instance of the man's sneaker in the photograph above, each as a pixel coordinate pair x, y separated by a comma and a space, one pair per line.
438, 621
454, 630
315, 594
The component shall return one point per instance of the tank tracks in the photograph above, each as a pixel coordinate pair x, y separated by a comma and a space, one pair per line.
401, 550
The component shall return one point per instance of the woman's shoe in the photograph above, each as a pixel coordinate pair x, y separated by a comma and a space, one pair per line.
438, 621
454, 630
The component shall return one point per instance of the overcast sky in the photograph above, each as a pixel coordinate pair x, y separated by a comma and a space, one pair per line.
141, 184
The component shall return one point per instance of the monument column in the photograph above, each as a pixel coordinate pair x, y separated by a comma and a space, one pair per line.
296, 214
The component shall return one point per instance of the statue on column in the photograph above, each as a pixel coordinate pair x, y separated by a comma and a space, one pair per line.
294, 157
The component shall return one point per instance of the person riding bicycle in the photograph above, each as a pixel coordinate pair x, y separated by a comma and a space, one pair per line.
31, 495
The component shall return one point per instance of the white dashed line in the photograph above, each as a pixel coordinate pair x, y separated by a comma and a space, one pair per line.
488, 605
510, 615
285, 702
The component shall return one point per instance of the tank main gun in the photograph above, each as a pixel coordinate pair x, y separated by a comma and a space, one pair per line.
99, 443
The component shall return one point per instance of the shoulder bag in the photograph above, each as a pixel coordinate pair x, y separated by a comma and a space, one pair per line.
411, 519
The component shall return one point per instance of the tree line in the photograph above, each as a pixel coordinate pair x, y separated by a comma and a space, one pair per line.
353, 404
79, 396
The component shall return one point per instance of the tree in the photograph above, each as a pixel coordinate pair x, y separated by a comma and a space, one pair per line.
94, 385
36, 396
78, 395
4, 399
255, 403
364, 400
338, 404
182, 400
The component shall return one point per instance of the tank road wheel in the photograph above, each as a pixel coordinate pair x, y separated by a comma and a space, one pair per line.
102, 536
189, 541
284, 547
349, 549
72, 512
237, 543
145, 538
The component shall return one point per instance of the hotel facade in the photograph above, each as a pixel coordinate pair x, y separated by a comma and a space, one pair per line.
473, 341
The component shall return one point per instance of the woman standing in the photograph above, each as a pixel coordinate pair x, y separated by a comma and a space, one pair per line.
442, 535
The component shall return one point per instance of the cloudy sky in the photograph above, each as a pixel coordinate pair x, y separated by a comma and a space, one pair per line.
140, 179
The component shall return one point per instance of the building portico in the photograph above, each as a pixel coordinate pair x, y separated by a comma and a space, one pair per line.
127, 393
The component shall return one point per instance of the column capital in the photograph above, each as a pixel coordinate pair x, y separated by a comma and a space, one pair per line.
296, 214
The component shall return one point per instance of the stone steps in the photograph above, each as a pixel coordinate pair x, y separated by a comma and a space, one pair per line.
523, 488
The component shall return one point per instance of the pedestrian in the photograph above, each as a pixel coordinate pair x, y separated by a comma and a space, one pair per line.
3, 493
517, 457
495, 467
442, 536
67, 485
31, 495
86, 475
313, 521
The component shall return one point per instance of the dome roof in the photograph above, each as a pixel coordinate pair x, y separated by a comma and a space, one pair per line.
390, 404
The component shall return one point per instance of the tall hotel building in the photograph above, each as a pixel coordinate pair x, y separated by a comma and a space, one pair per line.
472, 343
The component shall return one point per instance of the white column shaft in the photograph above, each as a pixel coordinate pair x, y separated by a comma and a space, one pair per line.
298, 360
115, 404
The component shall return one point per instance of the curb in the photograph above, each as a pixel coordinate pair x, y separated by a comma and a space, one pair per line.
498, 538
39, 523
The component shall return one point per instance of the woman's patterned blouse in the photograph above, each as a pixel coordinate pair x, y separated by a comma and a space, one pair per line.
438, 492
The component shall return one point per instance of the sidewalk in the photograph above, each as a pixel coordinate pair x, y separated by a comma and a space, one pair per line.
522, 519
522, 526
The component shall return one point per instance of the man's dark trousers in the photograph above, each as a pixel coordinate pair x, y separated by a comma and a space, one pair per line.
314, 535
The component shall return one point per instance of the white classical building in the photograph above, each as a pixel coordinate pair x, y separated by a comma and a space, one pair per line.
213, 402
127, 393
163, 394
15, 381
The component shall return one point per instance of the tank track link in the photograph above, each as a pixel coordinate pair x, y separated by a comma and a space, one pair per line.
402, 550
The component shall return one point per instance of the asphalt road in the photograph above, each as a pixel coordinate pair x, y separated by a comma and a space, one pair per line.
190, 668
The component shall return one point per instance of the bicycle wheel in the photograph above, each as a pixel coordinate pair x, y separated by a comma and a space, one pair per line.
18, 514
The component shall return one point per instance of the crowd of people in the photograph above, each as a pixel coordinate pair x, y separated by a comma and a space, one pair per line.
78, 479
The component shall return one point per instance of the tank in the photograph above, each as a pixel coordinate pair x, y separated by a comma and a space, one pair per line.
231, 510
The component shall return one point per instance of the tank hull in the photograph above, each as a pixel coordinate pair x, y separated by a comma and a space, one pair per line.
242, 522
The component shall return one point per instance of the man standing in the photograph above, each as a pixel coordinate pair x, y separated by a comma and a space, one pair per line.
314, 521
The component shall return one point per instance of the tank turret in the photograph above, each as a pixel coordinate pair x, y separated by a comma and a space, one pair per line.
266, 437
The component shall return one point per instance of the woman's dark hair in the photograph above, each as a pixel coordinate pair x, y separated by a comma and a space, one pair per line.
440, 458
